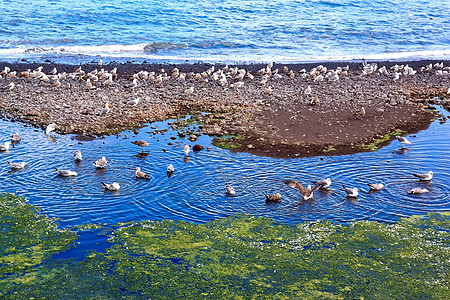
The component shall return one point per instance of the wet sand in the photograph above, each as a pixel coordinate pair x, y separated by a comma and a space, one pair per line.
271, 113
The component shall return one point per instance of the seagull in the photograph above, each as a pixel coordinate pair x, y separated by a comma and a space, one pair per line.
141, 143
417, 191
105, 109
66, 173
111, 187
308, 91
351, 192
403, 140
186, 149
17, 166
425, 177
273, 198
10, 86
170, 168
230, 190
361, 112
376, 186
77, 155
189, 91
140, 174
50, 128
323, 183
101, 163
5, 147
89, 85
132, 85
15, 138
307, 193
133, 102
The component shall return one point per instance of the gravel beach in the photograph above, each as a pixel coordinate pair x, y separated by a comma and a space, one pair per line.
274, 110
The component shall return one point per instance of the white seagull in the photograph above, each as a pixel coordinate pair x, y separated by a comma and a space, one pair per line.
77, 155
323, 183
111, 187
50, 128
418, 191
230, 190
101, 163
186, 149
351, 192
308, 91
5, 147
105, 109
170, 168
425, 177
15, 138
376, 186
17, 166
66, 173
133, 102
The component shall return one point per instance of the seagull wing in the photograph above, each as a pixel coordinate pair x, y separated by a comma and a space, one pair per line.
297, 185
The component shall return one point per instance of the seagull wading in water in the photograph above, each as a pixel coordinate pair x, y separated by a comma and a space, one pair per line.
141, 175
376, 186
5, 146
323, 183
77, 155
186, 149
50, 128
101, 163
307, 193
403, 140
424, 177
115, 186
15, 138
141, 143
17, 166
66, 173
351, 192
230, 190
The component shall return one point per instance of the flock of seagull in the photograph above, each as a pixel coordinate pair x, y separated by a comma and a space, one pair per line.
307, 193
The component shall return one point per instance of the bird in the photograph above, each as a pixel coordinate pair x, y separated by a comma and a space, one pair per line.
417, 190
5, 146
273, 198
141, 143
89, 85
323, 183
101, 163
17, 166
351, 192
132, 85
425, 177
361, 112
141, 175
66, 173
133, 102
186, 149
15, 138
375, 186
77, 155
115, 186
50, 128
308, 91
189, 91
403, 140
10, 86
170, 168
230, 190
307, 193
105, 109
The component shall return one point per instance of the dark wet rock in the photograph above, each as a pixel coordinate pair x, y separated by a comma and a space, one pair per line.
197, 147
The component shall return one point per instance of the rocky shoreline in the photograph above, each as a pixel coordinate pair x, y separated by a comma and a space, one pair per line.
272, 110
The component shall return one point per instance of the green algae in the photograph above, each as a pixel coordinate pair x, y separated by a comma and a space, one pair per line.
245, 257
228, 142
374, 146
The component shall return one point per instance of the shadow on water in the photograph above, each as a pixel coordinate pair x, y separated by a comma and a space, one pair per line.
196, 190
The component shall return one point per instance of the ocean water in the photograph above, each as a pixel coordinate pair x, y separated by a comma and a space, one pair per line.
223, 31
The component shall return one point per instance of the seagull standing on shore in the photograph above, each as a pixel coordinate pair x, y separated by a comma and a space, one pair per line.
77, 155
403, 140
101, 163
132, 85
105, 109
353, 193
308, 91
307, 193
115, 186
133, 102
50, 128
424, 177
10, 86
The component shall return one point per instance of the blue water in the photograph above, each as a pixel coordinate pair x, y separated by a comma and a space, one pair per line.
229, 31
196, 191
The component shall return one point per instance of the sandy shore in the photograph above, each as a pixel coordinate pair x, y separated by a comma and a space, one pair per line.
270, 110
